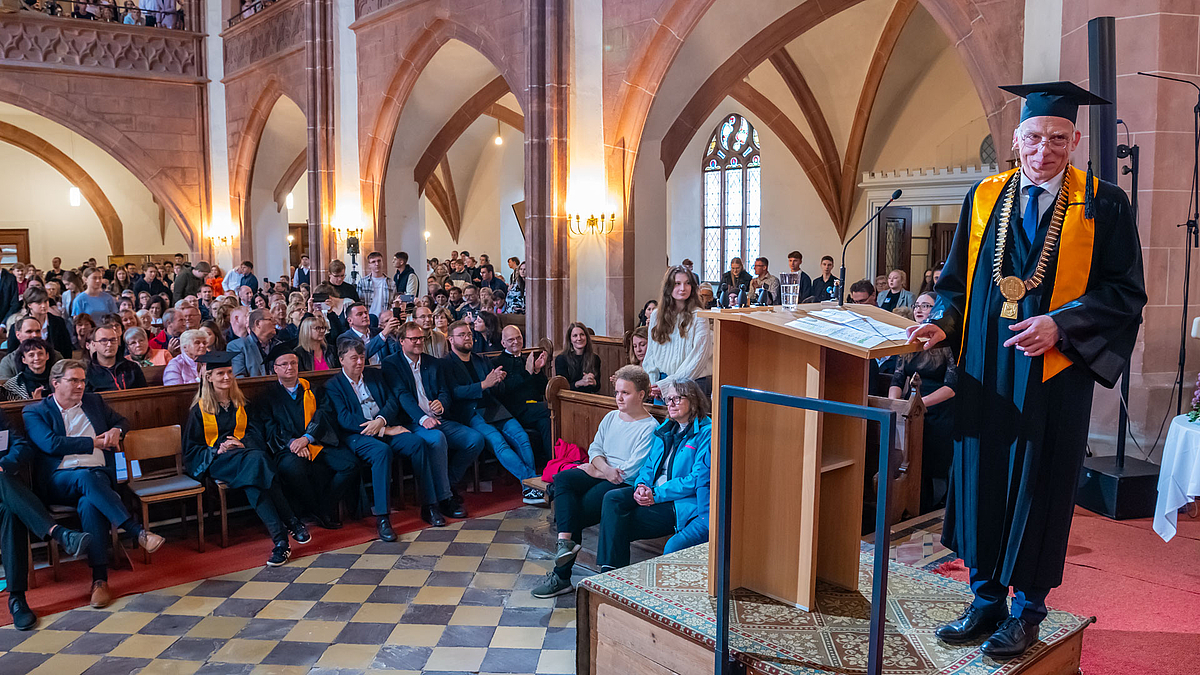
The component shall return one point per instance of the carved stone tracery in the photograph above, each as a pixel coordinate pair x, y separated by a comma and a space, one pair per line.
29, 38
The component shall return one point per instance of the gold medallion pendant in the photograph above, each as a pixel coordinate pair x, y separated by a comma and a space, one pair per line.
1013, 289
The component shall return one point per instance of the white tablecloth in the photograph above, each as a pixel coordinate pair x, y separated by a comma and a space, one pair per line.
1179, 477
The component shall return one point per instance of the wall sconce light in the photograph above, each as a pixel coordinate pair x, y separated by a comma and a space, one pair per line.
426, 235
289, 201
74, 196
291, 239
595, 225
221, 239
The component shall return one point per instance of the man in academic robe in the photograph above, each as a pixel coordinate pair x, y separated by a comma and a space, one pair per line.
316, 472
1041, 296
366, 414
425, 403
74, 438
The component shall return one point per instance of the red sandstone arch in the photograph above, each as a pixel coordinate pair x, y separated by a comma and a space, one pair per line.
48, 153
377, 146
121, 147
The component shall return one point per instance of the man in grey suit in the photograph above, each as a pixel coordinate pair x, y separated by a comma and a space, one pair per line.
250, 352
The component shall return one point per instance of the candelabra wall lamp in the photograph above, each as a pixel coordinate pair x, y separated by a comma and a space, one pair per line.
592, 225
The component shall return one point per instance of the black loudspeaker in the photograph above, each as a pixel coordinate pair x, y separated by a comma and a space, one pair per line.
352, 246
1118, 492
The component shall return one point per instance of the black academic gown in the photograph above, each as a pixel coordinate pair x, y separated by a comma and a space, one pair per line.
241, 468
1020, 443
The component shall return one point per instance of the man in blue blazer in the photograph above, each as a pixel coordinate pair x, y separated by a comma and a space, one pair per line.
472, 379
377, 346
23, 515
366, 415
250, 352
425, 403
73, 439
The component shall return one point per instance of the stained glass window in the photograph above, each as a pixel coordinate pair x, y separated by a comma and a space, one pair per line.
732, 196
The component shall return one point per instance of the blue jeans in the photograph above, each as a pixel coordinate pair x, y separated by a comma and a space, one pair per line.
454, 448
509, 442
1029, 605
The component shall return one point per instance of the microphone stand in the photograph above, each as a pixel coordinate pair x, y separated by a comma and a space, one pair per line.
842, 273
1130, 151
1193, 236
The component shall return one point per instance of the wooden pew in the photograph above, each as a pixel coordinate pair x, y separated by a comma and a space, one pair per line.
613, 355
907, 447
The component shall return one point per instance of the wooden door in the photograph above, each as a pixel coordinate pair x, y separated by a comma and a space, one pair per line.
14, 246
939, 242
894, 251
298, 243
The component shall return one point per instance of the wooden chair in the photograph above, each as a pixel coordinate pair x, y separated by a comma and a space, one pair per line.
164, 484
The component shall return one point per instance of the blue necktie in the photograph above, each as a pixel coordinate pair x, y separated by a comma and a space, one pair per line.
1029, 220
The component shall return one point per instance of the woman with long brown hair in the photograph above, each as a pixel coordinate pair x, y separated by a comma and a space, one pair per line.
680, 342
219, 442
577, 361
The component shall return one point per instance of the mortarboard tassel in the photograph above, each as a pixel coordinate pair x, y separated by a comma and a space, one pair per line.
1089, 193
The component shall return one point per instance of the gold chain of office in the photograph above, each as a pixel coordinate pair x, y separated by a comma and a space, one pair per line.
1013, 288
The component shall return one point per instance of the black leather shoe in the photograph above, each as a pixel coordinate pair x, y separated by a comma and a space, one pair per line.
1013, 638
453, 508
972, 625
328, 522
433, 516
299, 531
386, 533
23, 616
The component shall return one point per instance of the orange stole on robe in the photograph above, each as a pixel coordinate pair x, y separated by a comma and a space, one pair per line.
1074, 251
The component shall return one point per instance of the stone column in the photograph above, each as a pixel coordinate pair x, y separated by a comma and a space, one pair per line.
319, 114
1157, 37
547, 33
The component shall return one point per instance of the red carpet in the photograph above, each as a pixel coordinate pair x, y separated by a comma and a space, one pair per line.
1144, 593
178, 562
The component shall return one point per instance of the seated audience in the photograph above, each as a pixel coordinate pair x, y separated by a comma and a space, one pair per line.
670, 497
312, 349
216, 337
862, 292
489, 280
23, 329
647, 310
239, 324
442, 318
764, 279
150, 283
138, 349
426, 409
359, 320
486, 328
734, 283
23, 518
84, 325
337, 279
364, 411
897, 295
470, 307
524, 391
615, 457
32, 381
184, 369
108, 370
514, 301
799, 276
74, 437
220, 443
577, 361
474, 383
825, 286
680, 345
284, 329
316, 473
250, 352
939, 377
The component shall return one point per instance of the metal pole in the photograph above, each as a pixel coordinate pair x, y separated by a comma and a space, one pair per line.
724, 665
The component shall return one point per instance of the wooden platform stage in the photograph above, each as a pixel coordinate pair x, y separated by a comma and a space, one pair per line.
656, 617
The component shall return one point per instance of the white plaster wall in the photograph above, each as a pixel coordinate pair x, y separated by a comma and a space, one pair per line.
283, 138
35, 196
218, 132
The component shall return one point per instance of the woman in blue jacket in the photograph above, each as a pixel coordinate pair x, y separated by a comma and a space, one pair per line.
671, 493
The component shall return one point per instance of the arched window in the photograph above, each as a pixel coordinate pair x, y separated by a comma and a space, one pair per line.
732, 200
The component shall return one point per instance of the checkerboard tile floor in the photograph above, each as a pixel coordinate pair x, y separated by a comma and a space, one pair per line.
447, 600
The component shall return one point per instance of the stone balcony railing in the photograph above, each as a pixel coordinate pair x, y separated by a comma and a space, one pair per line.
34, 40
275, 28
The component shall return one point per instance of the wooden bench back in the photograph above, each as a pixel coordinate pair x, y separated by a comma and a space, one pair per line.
907, 445
576, 416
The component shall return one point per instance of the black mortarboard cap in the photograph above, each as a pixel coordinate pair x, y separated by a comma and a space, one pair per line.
1053, 99
216, 359
285, 347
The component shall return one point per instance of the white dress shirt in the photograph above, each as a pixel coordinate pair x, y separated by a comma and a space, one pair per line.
422, 399
370, 409
1046, 199
372, 360
77, 425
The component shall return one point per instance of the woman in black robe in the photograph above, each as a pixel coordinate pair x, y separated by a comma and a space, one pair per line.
219, 442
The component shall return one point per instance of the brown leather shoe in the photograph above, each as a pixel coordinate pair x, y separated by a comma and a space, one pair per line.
150, 541
101, 597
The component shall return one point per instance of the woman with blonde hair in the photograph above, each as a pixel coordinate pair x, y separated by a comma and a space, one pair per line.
220, 443
680, 344
313, 350
637, 344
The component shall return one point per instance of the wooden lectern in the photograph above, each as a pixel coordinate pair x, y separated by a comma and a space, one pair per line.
798, 475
